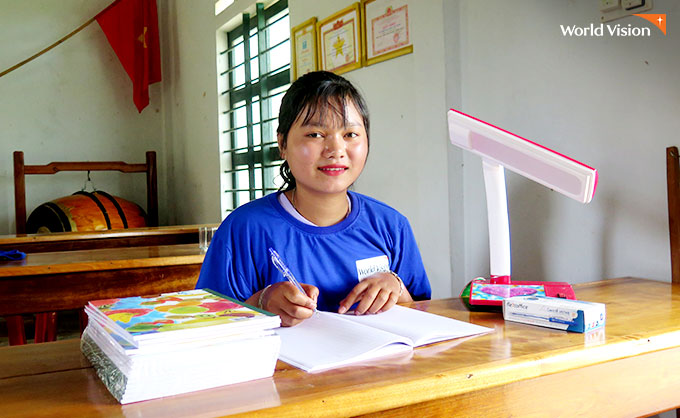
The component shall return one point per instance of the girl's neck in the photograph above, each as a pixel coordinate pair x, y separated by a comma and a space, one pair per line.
320, 209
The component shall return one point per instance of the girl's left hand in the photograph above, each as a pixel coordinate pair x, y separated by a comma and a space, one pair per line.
376, 293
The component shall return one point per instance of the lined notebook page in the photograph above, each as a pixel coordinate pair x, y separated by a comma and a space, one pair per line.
329, 340
420, 327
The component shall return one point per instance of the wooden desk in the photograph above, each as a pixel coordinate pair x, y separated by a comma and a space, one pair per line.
54, 281
519, 370
85, 240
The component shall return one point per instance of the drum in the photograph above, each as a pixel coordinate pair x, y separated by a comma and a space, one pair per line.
84, 211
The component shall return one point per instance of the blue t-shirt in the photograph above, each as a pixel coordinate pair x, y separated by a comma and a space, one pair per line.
373, 237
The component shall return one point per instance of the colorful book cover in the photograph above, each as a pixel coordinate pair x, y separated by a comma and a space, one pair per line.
147, 317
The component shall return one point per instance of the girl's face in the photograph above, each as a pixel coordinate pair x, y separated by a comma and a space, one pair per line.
327, 156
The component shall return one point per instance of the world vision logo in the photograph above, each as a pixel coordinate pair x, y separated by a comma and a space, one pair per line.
658, 20
618, 30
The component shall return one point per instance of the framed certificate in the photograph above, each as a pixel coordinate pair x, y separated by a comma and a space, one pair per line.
303, 47
339, 40
387, 29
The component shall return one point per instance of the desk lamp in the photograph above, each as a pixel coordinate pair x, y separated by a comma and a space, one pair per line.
501, 149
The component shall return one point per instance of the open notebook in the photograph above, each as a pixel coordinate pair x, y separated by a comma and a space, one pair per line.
329, 340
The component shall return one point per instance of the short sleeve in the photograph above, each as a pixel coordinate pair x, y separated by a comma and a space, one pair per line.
220, 270
408, 264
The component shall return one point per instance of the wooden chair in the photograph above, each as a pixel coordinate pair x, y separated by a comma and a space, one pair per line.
45, 323
673, 183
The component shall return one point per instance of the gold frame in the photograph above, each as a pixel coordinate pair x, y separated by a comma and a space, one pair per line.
308, 25
358, 36
407, 49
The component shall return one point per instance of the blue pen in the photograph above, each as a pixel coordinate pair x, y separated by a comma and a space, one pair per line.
281, 266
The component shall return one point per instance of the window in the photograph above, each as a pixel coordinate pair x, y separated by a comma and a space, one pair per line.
254, 76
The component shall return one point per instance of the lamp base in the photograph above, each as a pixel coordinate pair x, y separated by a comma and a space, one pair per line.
483, 294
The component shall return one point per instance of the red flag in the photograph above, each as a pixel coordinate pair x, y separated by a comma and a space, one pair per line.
131, 26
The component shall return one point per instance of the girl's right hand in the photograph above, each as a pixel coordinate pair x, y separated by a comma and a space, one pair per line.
286, 301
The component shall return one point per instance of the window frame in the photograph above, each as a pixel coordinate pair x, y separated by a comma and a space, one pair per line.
262, 156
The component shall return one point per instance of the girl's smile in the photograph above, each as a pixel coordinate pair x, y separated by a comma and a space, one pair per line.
333, 169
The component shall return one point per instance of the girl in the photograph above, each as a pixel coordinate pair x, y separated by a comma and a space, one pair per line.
345, 248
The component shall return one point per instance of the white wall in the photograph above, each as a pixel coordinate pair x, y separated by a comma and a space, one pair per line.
611, 102
73, 103
607, 101
190, 110
407, 164
458, 248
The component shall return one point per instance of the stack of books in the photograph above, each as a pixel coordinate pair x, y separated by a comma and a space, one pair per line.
154, 346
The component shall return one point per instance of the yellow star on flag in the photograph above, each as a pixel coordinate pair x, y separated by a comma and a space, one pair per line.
142, 37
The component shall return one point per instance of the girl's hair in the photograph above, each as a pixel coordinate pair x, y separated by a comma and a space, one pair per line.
312, 95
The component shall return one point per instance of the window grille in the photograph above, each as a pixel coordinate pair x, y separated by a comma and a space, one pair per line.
253, 80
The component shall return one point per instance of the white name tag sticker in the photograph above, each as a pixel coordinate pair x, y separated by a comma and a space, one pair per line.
370, 266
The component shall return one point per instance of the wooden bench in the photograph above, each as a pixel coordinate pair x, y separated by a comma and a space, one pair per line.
69, 241
21, 170
55, 281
